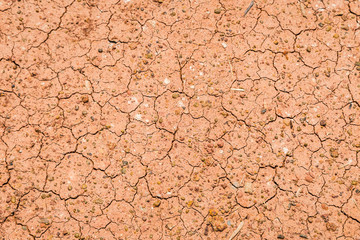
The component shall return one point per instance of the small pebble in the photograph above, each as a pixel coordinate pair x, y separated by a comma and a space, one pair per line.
324, 206
309, 179
280, 236
85, 99
217, 11
100, 50
157, 203
44, 221
334, 153
323, 123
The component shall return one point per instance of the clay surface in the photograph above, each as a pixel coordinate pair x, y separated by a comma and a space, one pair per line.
179, 119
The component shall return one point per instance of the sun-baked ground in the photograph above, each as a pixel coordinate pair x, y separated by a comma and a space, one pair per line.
179, 119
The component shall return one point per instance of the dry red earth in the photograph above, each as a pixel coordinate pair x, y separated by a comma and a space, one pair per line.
183, 119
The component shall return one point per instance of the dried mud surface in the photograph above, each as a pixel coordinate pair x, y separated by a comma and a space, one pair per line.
191, 119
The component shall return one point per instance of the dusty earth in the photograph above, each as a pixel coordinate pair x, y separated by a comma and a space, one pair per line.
191, 119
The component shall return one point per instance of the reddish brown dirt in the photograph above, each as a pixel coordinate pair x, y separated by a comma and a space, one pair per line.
183, 119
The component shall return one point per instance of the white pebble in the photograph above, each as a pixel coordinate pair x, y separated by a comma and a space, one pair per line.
166, 81
138, 116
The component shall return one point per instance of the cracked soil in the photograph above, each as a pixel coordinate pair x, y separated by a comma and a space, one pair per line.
179, 119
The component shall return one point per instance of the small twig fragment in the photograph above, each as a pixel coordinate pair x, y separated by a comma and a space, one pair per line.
237, 230
302, 9
249, 7
231, 69
242, 180
298, 192
355, 202
238, 89
346, 164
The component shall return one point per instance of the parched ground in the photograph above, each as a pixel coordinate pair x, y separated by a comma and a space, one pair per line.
179, 119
